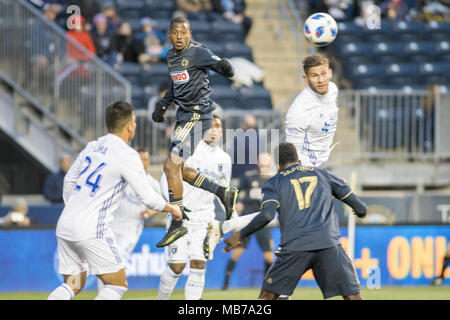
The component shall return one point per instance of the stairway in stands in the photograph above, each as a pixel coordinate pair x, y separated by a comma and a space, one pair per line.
275, 51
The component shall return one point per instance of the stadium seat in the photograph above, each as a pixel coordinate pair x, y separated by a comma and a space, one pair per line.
401, 73
388, 52
215, 47
254, 97
131, 71
355, 52
365, 70
434, 72
155, 74
348, 32
225, 96
384, 33
135, 24
163, 25
408, 30
437, 30
237, 49
226, 31
442, 50
138, 97
200, 30
130, 9
418, 51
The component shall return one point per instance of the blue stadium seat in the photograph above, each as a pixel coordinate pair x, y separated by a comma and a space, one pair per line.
131, 71
163, 25
135, 24
384, 33
254, 97
388, 52
408, 30
138, 97
437, 30
226, 31
200, 30
435, 72
349, 32
402, 73
215, 47
418, 51
355, 52
130, 9
225, 96
155, 74
442, 50
237, 49
366, 70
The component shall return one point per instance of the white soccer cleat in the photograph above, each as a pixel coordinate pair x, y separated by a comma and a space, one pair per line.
212, 238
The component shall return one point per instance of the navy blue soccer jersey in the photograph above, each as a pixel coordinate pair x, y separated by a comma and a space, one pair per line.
305, 199
188, 70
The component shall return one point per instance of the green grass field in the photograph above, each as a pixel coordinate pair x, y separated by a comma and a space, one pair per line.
385, 293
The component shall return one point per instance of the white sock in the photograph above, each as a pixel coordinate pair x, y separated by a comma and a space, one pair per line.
100, 285
194, 284
63, 292
167, 282
110, 292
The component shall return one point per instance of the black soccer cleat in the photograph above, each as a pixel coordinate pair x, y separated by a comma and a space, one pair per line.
438, 281
229, 201
176, 231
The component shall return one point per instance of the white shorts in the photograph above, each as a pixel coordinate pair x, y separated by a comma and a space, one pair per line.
98, 256
188, 247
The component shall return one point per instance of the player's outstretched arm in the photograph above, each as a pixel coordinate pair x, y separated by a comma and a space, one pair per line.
162, 105
224, 67
356, 204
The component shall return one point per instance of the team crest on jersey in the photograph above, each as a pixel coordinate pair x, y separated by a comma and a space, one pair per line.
180, 77
173, 249
185, 62
329, 124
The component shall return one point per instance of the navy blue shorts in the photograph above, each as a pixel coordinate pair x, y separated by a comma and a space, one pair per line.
264, 238
332, 268
188, 132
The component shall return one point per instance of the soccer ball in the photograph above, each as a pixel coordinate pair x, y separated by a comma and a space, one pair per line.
320, 29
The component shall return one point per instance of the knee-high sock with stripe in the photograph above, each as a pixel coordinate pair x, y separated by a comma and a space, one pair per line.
167, 282
194, 285
63, 292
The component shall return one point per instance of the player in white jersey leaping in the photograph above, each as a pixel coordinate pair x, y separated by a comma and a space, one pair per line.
92, 190
210, 160
311, 123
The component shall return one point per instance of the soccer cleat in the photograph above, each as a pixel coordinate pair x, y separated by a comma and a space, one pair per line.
229, 201
176, 231
438, 281
212, 238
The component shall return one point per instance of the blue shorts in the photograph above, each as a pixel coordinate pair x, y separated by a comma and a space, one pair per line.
188, 132
332, 268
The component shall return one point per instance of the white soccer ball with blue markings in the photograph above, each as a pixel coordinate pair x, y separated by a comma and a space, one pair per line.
320, 29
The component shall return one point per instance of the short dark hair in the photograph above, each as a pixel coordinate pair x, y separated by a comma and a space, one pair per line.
141, 149
285, 153
314, 61
179, 20
117, 115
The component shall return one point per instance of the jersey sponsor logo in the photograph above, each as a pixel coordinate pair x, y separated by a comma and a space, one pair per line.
180, 77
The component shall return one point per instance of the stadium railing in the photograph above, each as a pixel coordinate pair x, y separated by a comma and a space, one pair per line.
394, 124
56, 71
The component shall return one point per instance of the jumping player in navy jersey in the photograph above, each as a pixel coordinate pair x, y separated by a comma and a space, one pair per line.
189, 63
309, 229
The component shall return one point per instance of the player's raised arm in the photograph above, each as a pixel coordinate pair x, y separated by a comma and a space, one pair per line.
344, 193
133, 172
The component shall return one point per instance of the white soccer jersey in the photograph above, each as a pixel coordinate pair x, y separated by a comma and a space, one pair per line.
311, 123
215, 164
94, 184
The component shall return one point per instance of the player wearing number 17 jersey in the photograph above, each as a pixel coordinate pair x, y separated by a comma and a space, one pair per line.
92, 191
309, 228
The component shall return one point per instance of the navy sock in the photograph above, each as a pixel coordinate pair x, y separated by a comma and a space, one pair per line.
203, 182
445, 264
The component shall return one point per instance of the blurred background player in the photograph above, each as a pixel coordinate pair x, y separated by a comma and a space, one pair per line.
439, 280
17, 216
53, 186
188, 63
130, 215
249, 201
309, 229
92, 190
215, 163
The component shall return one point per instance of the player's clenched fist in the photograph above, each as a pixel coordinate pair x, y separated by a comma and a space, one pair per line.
158, 114
232, 241
174, 210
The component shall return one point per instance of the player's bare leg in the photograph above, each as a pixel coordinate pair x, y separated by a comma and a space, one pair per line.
115, 285
354, 297
73, 284
267, 295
